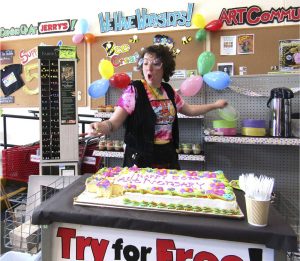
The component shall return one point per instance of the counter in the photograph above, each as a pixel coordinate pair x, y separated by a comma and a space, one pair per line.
67, 222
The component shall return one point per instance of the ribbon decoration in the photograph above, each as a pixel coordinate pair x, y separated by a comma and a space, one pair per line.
247, 92
261, 93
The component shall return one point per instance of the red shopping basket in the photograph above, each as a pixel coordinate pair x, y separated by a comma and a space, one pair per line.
87, 162
16, 164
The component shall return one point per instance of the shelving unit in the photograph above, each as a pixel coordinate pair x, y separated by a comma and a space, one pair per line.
120, 154
270, 156
253, 140
107, 115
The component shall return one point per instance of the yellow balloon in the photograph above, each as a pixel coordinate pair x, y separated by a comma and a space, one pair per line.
106, 69
198, 20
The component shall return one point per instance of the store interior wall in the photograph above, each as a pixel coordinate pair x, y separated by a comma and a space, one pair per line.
28, 12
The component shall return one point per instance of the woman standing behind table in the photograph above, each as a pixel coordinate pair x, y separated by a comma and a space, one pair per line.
148, 108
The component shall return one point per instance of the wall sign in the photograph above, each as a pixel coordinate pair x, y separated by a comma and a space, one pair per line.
6, 56
254, 15
55, 26
143, 20
62, 26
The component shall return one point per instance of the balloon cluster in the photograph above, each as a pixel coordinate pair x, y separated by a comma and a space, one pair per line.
83, 33
199, 21
100, 87
217, 80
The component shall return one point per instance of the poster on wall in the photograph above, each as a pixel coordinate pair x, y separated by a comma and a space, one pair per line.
226, 67
245, 44
289, 55
228, 45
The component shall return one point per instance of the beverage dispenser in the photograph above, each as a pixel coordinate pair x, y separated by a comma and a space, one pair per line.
280, 112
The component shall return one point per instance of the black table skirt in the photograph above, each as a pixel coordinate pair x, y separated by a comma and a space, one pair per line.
277, 235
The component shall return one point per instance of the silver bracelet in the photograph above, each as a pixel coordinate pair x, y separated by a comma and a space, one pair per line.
110, 126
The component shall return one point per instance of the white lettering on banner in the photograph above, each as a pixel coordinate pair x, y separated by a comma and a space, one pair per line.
80, 242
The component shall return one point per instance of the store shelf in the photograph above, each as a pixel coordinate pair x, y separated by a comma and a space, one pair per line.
108, 115
108, 154
181, 116
119, 154
191, 157
253, 140
103, 114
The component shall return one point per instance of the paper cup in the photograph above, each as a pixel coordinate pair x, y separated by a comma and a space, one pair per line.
257, 212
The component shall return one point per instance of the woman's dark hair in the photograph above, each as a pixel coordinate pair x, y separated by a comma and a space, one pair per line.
164, 54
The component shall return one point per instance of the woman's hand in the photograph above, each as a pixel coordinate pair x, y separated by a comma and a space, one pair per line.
100, 128
219, 104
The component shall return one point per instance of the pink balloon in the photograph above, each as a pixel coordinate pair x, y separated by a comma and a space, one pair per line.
191, 85
77, 38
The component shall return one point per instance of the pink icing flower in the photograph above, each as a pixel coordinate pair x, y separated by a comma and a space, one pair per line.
103, 183
134, 168
218, 192
186, 190
218, 185
157, 188
191, 173
131, 186
209, 174
162, 171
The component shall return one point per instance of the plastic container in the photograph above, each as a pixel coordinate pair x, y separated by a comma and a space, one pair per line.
254, 123
228, 113
224, 124
226, 131
255, 132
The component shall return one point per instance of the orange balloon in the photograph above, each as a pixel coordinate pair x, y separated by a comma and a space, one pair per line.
89, 38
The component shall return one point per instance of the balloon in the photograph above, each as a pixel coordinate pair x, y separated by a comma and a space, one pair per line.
198, 20
191, 85
200, 35
98, 88
217, 80
106, 69
120, 80
77, 38
89, 38
83, 26
214, 25
206, 62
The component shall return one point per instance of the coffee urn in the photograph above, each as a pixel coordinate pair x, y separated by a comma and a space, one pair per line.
280, 112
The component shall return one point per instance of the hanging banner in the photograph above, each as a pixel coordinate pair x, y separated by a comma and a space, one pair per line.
142, 20
82, 242
254, 15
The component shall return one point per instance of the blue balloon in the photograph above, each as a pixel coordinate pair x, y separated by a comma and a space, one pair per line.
98, 88
83, 26
217, 80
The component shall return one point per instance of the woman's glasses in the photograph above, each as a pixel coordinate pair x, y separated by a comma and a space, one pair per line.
156, 63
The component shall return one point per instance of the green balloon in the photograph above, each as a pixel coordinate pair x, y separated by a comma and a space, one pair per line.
206, 62
200, 35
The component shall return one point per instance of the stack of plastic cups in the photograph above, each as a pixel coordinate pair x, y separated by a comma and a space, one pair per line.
226, 126
254, 128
